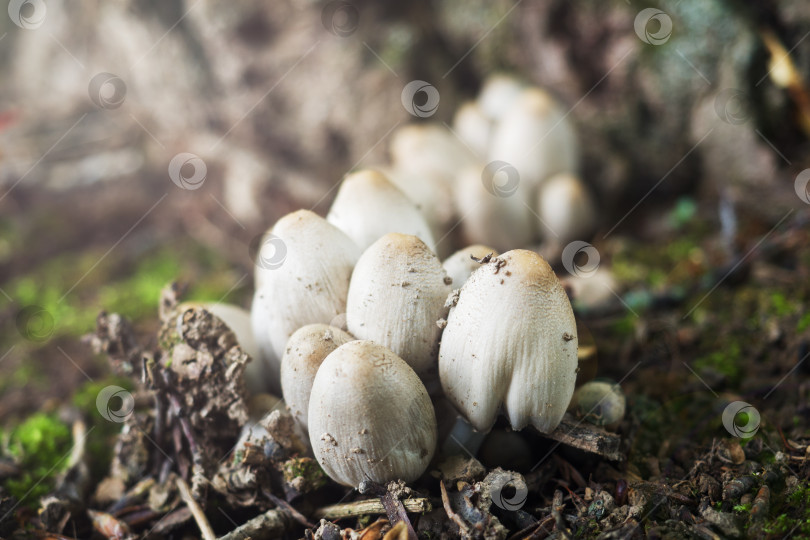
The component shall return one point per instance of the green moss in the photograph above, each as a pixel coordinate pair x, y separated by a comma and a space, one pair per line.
804, 323
306, 468
73, 288
726, 362
794, 514
742, 508
41, 445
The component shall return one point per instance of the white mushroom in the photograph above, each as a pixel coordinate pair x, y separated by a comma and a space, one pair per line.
461, 264
473, 127
306, 350
510, 340
433, 196
599, 402
566, 209
536, 137
309, 285
370, 417
368, 206
397, 295
492, 208
498, 94
429, 147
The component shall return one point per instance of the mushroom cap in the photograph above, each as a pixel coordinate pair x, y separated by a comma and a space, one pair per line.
370, 417
501, 221
397, 293
536, 137
368, 205
565, 206
432, 195
510, 340
473, 127
460, 265
599, 402
309, 286
306, 350
429, 147
498, 94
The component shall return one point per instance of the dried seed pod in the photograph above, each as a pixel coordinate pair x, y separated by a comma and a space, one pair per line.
510, 340
536, 137
397, 294
599, 402
566, 209
368, 206
370, 417
309, 286
258, 377
465, 261
306, 350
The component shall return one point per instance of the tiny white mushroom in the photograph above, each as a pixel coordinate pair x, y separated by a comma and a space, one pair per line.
510, 340
397, 295
370, 417
309, 286
368, 205
566, 209
536, 137
599, 402
306, 350
461, 264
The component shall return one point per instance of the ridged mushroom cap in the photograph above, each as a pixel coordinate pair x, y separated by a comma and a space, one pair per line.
510, 341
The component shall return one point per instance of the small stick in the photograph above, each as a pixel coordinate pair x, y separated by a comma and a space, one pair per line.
370, 506
196, 511
271, 524
449, 510
282, 504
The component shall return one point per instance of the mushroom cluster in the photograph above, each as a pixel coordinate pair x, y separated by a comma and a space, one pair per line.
363, 328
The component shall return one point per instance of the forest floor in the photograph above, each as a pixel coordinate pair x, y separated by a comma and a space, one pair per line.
697, 324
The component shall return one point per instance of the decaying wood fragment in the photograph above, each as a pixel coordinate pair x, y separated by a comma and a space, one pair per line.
587, 437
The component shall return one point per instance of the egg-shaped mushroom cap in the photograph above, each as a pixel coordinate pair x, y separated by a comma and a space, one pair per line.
368, 205
306, 349
461, 264
396, 296
370, 417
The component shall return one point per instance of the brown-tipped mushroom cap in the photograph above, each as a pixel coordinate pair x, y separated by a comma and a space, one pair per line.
306, 350
397, 293
370, 417
510, 340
